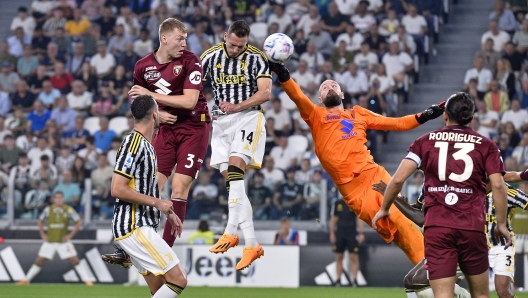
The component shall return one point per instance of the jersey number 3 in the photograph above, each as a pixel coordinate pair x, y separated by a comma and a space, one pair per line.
461, 154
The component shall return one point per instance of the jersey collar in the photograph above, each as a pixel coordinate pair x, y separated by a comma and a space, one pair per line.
227, 56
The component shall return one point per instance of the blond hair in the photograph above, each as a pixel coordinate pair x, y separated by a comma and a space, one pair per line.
170, 24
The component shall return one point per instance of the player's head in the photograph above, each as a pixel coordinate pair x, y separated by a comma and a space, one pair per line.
173, 37
58, 199
236, 38
330, 94
145, 109
459, 109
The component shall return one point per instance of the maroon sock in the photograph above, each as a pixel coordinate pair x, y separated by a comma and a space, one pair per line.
180, 207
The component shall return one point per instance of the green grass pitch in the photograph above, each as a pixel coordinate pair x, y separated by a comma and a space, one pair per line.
111, 291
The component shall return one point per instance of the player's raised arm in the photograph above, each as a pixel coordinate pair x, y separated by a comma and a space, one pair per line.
500, 200
412, 213
513, 177
293, 90
379, 122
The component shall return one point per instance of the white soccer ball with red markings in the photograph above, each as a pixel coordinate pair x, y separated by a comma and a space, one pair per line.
278, 47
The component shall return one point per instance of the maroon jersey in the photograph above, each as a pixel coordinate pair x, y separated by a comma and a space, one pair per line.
171, 79
456, 161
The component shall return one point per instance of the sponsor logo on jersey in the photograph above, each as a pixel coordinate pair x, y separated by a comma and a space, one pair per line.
223, 78
348, 126
243, 67
128, 161
177, 69
331, 117
152, 75
219, 65
195, 77
151, 68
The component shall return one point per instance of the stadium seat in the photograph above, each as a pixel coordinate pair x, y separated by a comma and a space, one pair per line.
299, 144
118, 124
259, 32
91, 124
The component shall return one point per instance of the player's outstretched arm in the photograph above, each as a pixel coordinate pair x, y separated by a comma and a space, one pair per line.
379, 122
405, 170
513, 177
293, 90
414, 214
500, 201
186, 101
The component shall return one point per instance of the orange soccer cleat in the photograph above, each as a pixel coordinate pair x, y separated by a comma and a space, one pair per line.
224, 243
249, 255
22, 283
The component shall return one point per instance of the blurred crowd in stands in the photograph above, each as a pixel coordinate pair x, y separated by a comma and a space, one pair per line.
67, 66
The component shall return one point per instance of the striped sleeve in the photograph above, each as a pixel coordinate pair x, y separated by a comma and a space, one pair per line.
261, 65
74, 216
517, 198
45, 213
205, 65
128, 153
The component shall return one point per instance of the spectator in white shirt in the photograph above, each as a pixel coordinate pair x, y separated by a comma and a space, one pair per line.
321, 39
500, 37
483, 76
314, 59
103, 62
352, 38
305, 78
354, 82
79, 99
283, 155
397, 63
284, 20
488, 120
365, 59
306, 22
42, 148
23, 20
281, 116
405, 40
327, 73
204, 196
128, 19
515, 115
17, 41
389, 25
416, 26
363, 19
272, 175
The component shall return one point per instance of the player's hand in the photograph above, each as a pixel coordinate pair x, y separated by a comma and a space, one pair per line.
332, 238
282, 72
167, 118
164, 206
380, 187
382, 214
176, 224
137, 90
431, 112
66, 238
228, 107
501, 230
44, 237
361, 238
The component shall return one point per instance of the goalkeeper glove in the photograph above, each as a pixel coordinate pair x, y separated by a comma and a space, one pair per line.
282, 72
431, 113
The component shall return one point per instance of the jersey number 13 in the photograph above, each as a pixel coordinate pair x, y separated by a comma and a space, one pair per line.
461, 154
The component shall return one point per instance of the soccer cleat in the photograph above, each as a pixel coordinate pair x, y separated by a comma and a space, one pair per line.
224, 243
22, 283
118, 257
88, 283
249, 255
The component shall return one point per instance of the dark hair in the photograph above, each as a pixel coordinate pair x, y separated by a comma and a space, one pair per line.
117, 140
58, 192
22, 9
90, 140
460, 107
44, 157
258, 174
9, 137
142, 106
240, 28
203, 226
22, 155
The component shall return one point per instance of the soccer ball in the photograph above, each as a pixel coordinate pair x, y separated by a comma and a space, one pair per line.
278, 47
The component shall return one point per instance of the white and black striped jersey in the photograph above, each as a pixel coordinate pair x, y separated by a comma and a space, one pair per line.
234, 79
516, 199
136, 160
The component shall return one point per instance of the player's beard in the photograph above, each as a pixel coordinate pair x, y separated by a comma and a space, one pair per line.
332, 99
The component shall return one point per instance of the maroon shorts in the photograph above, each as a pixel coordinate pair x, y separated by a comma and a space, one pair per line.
183, 144
447, 247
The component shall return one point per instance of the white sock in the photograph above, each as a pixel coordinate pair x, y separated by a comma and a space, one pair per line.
33, 271
168, 291
461, 292
427, 293
82, 272
246, 224
411, 295
236, 193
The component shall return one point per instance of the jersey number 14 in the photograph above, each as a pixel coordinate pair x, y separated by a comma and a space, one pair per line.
461, 154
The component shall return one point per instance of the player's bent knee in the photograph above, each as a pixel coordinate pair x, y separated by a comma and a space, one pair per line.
176, 275
235, 173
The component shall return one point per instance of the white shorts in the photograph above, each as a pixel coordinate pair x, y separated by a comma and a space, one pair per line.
149, 252
242, 133
521, 243
502, 261
65, 250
